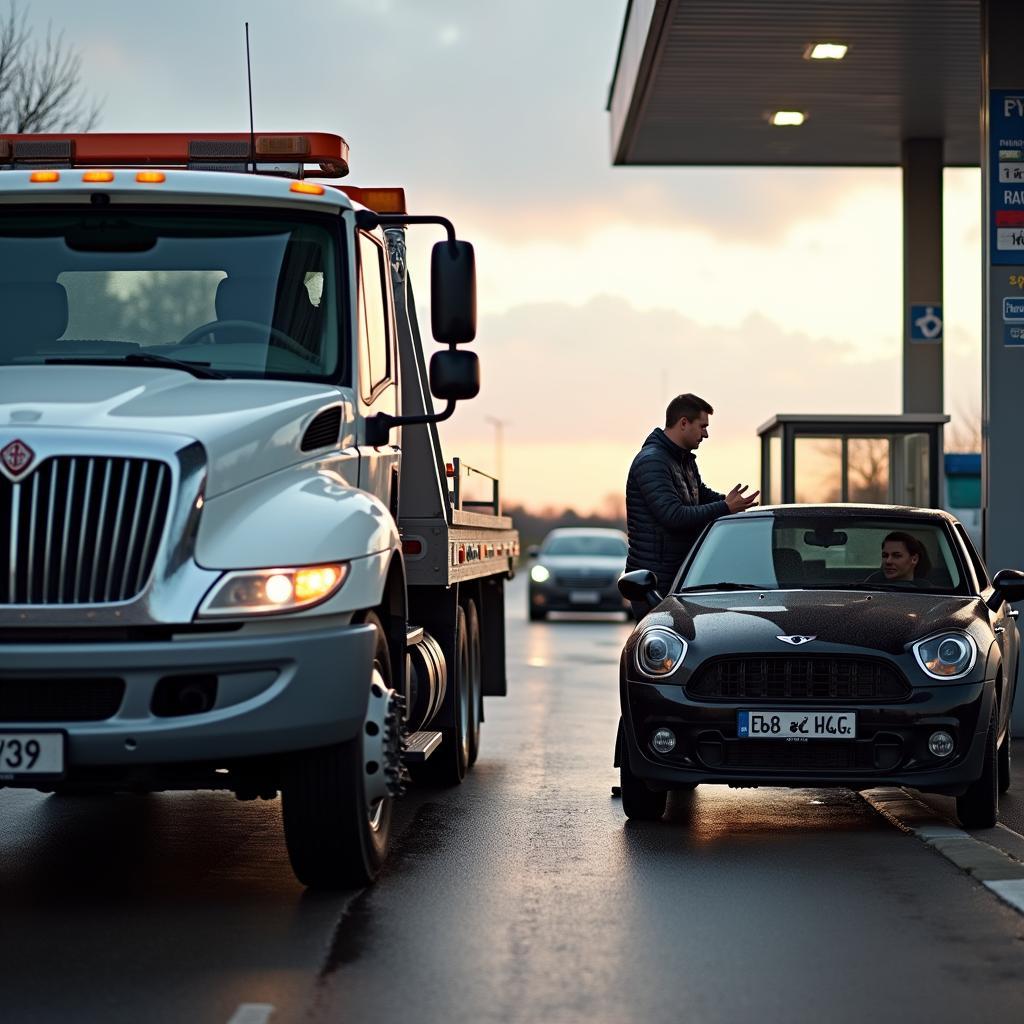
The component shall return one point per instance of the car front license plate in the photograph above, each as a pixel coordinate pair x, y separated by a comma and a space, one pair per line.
797, 725
584, 597
31, 753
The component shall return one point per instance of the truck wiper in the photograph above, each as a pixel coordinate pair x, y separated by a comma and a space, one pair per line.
201, 370
721, 586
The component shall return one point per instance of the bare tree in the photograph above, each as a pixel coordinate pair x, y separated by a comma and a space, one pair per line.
964, 433
40, 82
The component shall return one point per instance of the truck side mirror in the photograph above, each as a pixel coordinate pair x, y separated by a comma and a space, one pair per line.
1009, 586
453, 293
454, 375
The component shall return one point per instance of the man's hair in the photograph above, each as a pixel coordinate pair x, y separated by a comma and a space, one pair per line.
686, 405
914, 547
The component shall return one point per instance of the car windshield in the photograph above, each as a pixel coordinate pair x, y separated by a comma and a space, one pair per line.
818, 552
582, 544
247, 294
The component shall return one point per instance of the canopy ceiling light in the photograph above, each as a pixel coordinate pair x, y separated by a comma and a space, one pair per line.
787, 118
826, 51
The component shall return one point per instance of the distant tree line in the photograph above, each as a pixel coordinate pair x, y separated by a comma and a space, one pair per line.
534, 525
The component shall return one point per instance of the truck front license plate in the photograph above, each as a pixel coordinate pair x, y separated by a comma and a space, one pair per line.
795, 725
31, 753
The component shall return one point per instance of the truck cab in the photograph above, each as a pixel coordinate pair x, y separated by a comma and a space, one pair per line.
230, 553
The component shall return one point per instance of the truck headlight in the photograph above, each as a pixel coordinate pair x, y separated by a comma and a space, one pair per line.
539, 574
659, 651
946, 655
265, 591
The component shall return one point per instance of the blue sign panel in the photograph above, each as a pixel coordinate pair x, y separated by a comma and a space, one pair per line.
926, 323
1013, 310
1006, 176
1013, 335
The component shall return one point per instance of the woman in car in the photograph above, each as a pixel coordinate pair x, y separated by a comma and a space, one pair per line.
904, 560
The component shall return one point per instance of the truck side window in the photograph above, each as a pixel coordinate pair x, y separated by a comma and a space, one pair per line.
374, 343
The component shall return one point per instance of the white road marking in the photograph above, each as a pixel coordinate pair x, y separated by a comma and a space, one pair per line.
252, 1013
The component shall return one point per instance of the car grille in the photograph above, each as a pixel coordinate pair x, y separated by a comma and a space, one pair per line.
60, 700
82, 530
586, 581
826, 755
780, 677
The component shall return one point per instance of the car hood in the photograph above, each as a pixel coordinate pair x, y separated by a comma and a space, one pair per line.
249, 428
753, 621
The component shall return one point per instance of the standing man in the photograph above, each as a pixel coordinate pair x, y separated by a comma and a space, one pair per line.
667, 503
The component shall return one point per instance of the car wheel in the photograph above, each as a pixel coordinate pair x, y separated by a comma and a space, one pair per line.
336, 801
537, 614
1005, 762
638, 802
979, 806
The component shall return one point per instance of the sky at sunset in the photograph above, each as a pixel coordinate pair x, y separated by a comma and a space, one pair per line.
602, 291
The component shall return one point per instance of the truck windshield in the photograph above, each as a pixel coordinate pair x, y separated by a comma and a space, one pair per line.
247, 294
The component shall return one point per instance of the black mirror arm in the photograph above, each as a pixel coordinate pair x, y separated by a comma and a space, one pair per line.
369, 220
379, 426
654, 598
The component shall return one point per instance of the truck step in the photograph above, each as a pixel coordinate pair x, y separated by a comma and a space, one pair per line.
420, 745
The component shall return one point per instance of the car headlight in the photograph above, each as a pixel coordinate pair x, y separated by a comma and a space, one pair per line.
265, 591
659, 651
539, 574
946, 655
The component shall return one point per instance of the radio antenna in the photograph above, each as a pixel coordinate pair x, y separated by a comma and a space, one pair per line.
252, 129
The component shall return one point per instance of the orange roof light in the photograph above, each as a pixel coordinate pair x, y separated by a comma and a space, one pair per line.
309, 188
44, 176
151, 177
380, 200
92, 176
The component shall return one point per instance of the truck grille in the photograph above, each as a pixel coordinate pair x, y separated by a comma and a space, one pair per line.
81, 530
779, 677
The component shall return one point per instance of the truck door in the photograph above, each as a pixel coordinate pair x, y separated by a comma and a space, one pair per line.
378, 368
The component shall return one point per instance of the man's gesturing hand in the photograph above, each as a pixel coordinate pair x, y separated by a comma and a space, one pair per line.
738, 501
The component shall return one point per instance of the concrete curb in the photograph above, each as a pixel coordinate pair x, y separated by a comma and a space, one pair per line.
996, 870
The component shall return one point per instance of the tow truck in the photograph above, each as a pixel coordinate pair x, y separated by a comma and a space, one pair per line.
232, 554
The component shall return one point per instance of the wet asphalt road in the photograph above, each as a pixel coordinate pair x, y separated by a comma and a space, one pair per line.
520, 896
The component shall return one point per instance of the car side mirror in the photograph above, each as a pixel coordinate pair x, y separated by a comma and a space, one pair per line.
453, 292
640, 585
532, 551
1009, 586
454, 375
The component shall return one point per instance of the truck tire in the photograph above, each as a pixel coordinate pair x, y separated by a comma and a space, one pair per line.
336, 838
447, 765
476, 698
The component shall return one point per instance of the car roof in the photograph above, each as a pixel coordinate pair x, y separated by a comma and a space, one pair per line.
837, 510
585, 531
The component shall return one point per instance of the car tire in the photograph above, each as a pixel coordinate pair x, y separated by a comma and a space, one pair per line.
334, 839
638, 802
1006, 762
537, 614
979, 806
476, 699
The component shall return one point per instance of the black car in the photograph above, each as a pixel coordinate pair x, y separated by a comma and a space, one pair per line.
830, 645
577, 569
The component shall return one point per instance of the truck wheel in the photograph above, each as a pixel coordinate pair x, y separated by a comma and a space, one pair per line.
638, 802
979, 806
336, 801
476, 699
447, 765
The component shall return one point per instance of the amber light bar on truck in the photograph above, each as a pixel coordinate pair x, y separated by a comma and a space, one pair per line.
273, 152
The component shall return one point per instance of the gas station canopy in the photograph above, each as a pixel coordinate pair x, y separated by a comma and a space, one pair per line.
697, 82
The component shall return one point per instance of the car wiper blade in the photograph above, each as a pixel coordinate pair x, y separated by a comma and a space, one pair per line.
720, 586
197, 369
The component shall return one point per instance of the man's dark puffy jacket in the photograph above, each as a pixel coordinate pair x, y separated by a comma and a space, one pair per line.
667, 506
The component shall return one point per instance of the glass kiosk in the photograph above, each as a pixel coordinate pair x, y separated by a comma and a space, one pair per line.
888, 460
